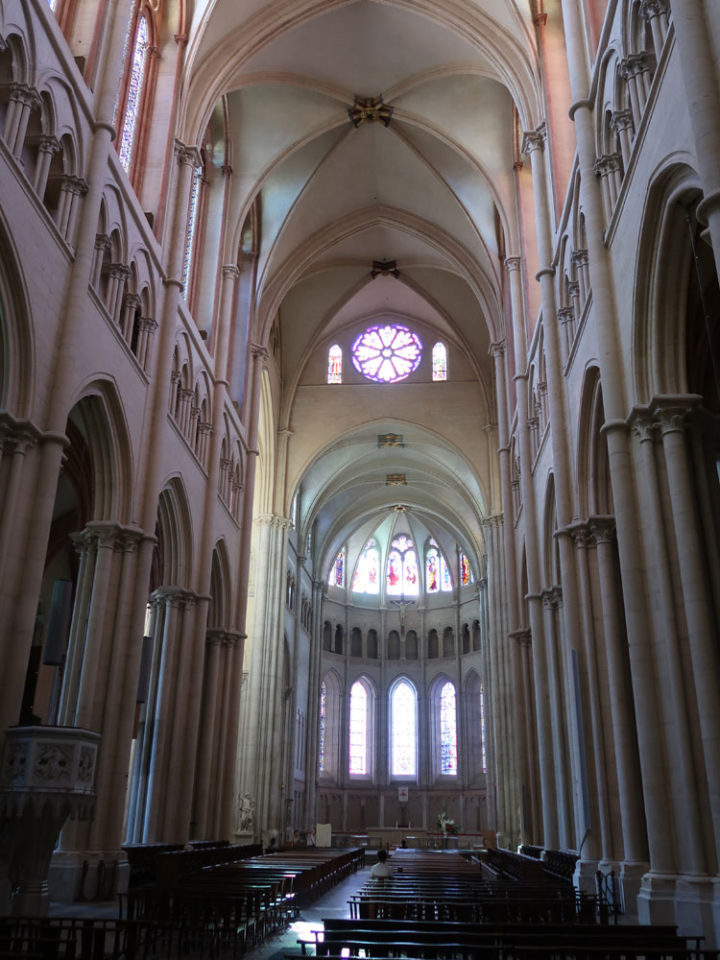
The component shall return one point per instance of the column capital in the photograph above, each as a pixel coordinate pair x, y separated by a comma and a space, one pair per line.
231, 271
603, 528
565, 314
497, 349
25, 94
259, 353
649, 9
534, 139
48, 144
189, 155
621, 120
512, 263
523, 637
642, 424
673, 412
606, 164
634, 64
553, 597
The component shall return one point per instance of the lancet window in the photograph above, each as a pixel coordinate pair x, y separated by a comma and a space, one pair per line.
403, 730
335, 363
360, 727
402, 569
439, 362
134, 96
337, 571
366, 578
437, 573
448, 731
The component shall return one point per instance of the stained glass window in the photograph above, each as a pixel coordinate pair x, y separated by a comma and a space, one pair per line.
337, 571
322, 726
403, 735
387, 353
439, 362
483, 744
358, 728
466, 575
448, 731
402, 570
437, 574
138, 71
191, 229
366, 577
335, 359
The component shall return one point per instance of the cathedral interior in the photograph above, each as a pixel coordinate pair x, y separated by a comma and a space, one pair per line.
360, 427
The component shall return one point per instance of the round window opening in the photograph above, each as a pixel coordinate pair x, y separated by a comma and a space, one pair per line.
387, 353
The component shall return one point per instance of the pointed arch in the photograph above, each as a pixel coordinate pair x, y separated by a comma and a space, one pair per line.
403, 726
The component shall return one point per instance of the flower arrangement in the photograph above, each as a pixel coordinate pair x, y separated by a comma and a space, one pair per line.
445, 825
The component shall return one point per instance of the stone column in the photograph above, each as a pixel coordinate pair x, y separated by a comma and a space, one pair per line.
632, 561
622, 123
674, 414
22, 101
71, 189
31, 522
627, 761
534, 144
47, 149
552, 602
161, 713
655, 12
206, 775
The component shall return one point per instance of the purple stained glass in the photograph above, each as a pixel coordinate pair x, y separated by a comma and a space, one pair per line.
448, 731
322, 723
387, 353
135, 89
191, 228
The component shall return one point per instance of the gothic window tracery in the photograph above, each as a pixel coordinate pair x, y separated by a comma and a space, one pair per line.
402, 571
387, 353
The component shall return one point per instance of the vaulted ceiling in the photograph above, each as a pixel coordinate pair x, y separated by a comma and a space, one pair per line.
426, 183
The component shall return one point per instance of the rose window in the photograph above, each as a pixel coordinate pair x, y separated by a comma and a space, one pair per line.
387, 353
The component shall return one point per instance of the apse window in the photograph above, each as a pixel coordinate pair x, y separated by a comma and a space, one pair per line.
403, 727
387, 353
360, 703
337, 571
335, 363
366, 578
437, 573
439, 362
448, 731
402, 570
466, 574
